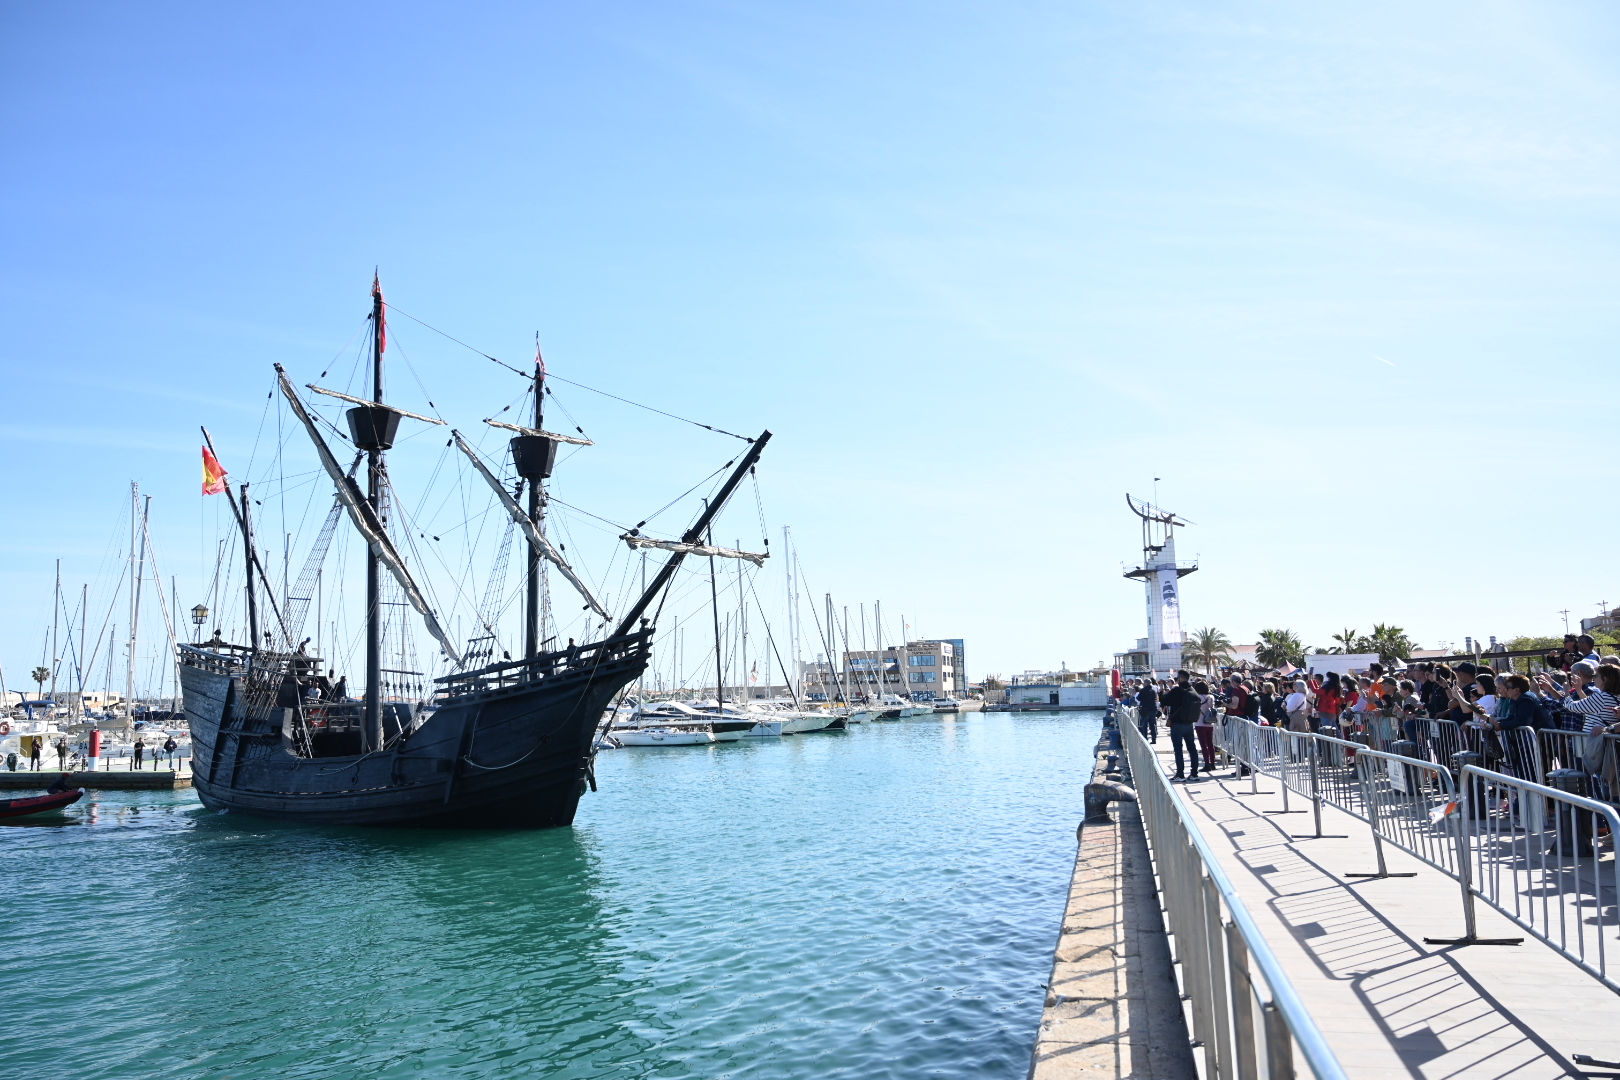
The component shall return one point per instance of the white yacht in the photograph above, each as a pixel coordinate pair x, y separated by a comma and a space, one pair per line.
726, 725
660, 736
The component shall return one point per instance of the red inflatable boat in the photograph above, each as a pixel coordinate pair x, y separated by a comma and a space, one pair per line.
39, 803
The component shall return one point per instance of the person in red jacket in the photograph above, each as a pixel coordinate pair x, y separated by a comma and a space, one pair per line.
1329, 701
1238, 697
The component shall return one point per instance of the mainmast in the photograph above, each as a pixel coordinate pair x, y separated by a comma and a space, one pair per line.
534, 456
373, 428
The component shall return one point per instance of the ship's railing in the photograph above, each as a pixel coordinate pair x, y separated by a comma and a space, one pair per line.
208, 660
519, 672
1247, 1016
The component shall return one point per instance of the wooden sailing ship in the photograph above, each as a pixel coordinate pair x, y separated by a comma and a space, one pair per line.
508, 744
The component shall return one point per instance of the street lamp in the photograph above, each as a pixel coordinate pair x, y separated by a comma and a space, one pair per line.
199, 615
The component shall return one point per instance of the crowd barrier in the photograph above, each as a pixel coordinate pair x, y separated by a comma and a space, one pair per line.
1247, 1017
1530, 850
1553, 880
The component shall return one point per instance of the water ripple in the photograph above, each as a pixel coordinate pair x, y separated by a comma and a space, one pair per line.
880, 903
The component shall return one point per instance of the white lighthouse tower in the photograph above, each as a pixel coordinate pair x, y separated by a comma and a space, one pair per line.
1162, 576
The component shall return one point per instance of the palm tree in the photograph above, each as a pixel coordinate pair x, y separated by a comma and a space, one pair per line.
1390, 643
40, 675
1208, 648
1348, 642
1279, 647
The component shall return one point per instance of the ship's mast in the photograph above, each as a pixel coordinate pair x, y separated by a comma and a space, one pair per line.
537, 514
372, 736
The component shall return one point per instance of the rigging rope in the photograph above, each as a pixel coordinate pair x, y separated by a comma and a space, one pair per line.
570, 382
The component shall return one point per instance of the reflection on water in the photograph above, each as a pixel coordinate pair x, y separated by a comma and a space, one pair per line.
878, 903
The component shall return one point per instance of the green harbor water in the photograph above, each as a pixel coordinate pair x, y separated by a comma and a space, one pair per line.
881, 903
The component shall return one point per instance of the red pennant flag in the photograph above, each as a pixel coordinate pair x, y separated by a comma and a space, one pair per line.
382, 319
213, 474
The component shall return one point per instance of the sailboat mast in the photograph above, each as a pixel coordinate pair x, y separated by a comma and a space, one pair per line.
719, 660
56, 626
877, 630
137, 558
371, 738
84, 617
134, 512
537, 511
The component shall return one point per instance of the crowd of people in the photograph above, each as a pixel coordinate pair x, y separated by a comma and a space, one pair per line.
1576, 684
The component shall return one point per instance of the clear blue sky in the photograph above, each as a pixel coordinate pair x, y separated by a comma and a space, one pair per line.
1344, 279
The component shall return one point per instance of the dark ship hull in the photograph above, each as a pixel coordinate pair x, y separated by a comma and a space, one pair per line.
509, 746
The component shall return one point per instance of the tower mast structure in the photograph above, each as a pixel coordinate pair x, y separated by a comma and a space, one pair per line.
1161, 574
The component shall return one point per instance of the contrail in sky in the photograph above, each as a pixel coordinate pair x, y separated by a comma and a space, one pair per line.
1375, 356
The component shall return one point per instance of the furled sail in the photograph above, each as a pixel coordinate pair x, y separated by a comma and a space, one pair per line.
534, 535
374, 404
552, 435
695, 549
365, 520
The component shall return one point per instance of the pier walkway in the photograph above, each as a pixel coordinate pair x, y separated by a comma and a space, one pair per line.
1389, 1005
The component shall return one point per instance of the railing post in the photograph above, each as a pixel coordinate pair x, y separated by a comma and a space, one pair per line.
1283, 746
1244, 1058
1465, 871
1254, 771
1316, 788
1216, 1039
1279, 1045
1369, 799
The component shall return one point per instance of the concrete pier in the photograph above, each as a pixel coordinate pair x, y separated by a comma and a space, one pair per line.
105, 780
1113, 1008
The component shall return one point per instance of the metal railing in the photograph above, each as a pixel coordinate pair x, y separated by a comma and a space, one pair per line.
1549, 875
1396, 796
1247, 1016
1532, 851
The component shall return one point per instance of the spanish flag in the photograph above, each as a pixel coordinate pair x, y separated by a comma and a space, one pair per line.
213, 474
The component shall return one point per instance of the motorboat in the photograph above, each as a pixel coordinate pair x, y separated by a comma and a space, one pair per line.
38, 804
661, 736
723, 725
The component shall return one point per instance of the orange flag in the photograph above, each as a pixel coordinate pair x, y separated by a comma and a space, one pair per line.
213, 474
